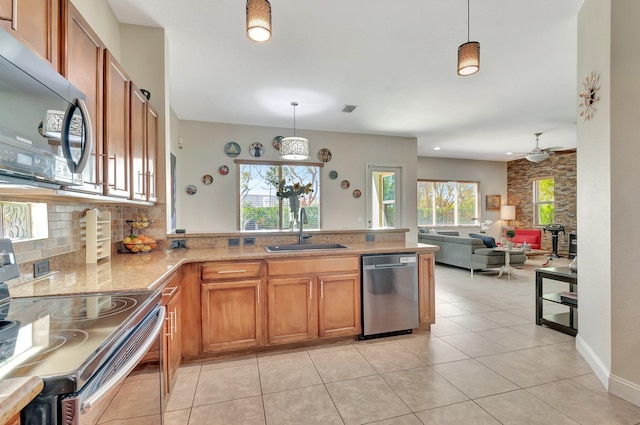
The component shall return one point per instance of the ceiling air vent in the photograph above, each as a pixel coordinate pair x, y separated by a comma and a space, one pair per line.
349, 108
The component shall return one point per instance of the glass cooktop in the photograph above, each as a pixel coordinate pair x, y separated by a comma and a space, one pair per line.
68, 336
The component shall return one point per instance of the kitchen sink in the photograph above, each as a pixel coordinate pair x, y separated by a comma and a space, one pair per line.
304, 247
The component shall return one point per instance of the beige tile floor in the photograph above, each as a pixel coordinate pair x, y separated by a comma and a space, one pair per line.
485, 362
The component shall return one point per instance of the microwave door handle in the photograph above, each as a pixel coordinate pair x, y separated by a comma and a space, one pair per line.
88, 135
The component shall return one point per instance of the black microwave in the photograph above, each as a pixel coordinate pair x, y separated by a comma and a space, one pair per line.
45, 129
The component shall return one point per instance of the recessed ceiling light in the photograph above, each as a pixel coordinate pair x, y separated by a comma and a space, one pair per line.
509, 153
437, 148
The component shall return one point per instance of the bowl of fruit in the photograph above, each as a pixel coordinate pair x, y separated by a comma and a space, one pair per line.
139, 243
140, 223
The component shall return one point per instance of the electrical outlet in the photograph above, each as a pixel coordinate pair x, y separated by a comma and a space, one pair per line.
40, 268
234, 242
370, 238
249, 242
179, 244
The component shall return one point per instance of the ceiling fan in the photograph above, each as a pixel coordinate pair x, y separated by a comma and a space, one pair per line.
538, 154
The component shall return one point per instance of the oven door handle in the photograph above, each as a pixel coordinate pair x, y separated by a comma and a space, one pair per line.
131, 363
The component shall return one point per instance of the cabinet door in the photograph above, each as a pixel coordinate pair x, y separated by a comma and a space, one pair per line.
116, 127
173, 352
83, 65
152, 149
426, 288
339, 305
292, 310
231, 315
35, 23
138, 144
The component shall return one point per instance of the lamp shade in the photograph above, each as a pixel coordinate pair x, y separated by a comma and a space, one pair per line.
294, 148
507, 212
258, 20
468, 58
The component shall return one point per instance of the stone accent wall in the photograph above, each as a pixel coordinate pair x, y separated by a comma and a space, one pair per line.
520, 176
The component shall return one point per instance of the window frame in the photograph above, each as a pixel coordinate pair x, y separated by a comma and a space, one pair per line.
280, 164
455, 202
537, 203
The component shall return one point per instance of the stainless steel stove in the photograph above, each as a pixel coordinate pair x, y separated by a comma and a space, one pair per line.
82, 346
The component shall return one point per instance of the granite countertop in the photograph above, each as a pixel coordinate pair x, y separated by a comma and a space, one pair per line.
139, 272
16, 393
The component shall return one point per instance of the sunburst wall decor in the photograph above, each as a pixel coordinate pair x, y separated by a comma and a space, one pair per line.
590, 95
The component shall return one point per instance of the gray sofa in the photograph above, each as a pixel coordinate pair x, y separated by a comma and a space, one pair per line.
466, 252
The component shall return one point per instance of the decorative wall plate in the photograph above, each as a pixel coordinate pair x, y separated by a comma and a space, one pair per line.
207, 179
256, 149
324, 155
223, 169
232, 149
191, 189
589, 96
345, 184
276, 142
333, 175
357, 193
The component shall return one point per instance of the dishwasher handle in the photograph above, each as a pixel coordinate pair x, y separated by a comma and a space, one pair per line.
389, 266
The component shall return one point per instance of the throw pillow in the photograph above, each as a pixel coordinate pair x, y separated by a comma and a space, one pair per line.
422, 230
433, 231
488, 241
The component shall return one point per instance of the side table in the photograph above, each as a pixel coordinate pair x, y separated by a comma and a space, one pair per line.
507, 267
563, 322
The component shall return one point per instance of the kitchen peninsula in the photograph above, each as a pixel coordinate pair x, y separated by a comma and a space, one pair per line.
247, 275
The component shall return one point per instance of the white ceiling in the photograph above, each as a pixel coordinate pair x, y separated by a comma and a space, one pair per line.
395, 60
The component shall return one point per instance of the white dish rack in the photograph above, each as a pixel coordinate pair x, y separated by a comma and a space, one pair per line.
98, 224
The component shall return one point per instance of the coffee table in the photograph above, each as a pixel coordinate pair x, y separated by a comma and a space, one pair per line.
535, 252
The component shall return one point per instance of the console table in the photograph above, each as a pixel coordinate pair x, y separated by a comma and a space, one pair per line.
563, 322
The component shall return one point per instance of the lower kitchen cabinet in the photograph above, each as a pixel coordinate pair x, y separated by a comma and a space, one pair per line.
232, 311
311, 298
426, 288
172, 300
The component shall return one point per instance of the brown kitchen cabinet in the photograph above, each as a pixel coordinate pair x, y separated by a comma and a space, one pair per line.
116, 128
232, 306
138, 134
172, 300
151, 161
426, 289
311, 298
36, 24
83, 65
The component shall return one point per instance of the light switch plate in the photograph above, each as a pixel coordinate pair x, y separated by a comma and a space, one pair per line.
40, 268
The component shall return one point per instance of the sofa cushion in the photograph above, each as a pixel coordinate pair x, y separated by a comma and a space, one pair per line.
488, 241
489, 252
449, 233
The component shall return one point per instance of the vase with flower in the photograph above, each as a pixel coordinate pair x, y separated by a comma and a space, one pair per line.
292, 192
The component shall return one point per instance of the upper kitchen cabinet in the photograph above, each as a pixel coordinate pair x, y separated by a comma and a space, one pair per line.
116, 128
36, 24
144, 139
83, 65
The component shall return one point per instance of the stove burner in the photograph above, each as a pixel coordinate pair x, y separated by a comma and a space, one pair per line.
68, 338
90, 308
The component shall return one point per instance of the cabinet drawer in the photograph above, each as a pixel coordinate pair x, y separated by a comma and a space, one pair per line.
296, 267
230, 270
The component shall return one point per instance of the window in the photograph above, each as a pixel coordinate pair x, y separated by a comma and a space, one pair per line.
261, 209
543, 201
451, 203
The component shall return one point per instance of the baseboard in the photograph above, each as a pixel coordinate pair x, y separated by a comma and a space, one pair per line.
599, 369
624, 389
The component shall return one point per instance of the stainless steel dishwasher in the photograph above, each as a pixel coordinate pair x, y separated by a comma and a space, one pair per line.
389, 294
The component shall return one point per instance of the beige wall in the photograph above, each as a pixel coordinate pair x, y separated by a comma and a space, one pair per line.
607, 186
214, 207
492, 176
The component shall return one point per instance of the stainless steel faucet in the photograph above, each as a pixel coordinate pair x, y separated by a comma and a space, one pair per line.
303, 220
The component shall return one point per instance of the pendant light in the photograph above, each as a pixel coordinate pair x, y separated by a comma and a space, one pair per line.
258, 20
468, 54
294, 148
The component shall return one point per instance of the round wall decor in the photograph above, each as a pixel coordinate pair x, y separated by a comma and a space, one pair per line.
357, 193
232, 149
276, 142
191, 189
207, 179
589, 96
256, 149
345, 184
333, 175
324, 155
223, 169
